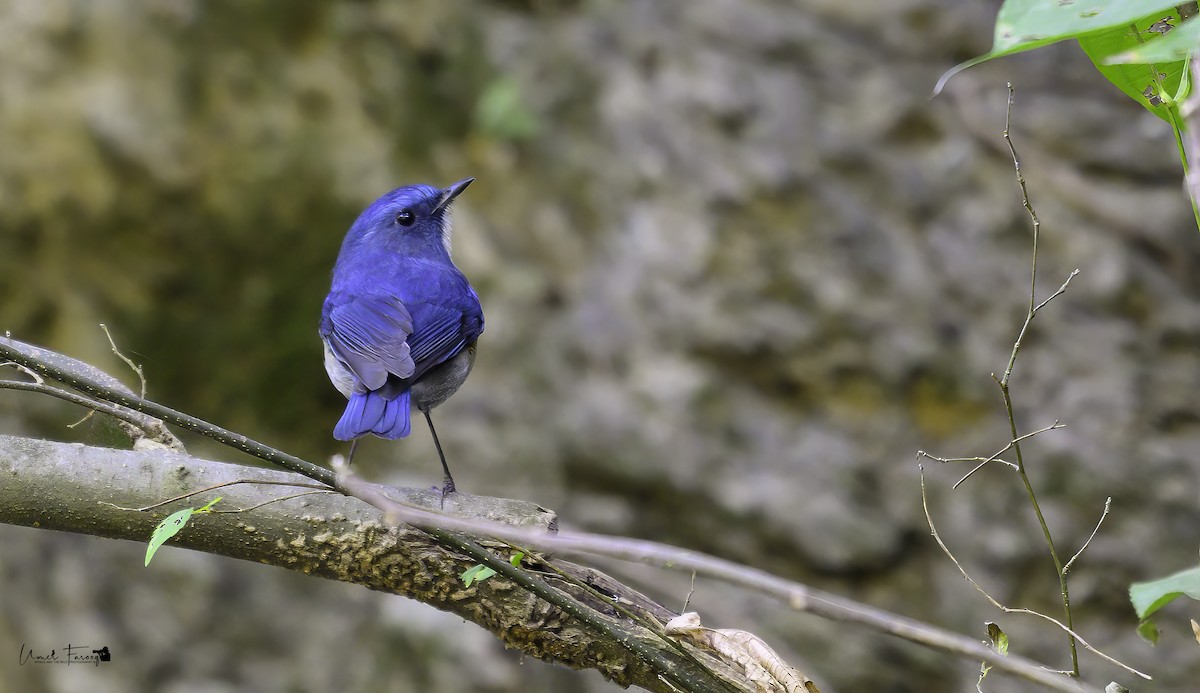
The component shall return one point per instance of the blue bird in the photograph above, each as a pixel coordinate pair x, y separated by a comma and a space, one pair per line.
400, 322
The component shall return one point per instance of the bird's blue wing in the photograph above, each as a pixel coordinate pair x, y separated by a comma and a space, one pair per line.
441, 331
369, 335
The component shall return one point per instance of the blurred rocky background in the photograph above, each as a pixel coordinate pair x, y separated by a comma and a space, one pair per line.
737, 269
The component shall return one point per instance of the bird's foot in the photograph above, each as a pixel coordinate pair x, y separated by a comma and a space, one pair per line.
447, 489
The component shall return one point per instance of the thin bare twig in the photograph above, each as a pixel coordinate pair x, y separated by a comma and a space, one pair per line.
214, 487
1037, 226
83, 419
977, 467
13, 364
133, 366
691, 590
951, 460
1010, 610
1061, 290
1011, 444
96, 405
994, 458
256, 506
1107, 506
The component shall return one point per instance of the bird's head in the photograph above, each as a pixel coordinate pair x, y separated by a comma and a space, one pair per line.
412, 220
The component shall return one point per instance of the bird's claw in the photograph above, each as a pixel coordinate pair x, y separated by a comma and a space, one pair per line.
447, 489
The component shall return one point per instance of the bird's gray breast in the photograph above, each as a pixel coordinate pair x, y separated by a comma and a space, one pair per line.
443, 380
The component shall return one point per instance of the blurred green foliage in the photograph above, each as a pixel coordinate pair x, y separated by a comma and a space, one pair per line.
501, 112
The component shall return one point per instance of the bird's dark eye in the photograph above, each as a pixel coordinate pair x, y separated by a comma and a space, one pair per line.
405, 217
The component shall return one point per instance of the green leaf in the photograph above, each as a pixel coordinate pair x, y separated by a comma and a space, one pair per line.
167, 529
998, 637
1148, 597
1153, 85
476, 573
1149, 631
516, 559
1025, 24
1022, 25
171, 526
1160, 47
999, 643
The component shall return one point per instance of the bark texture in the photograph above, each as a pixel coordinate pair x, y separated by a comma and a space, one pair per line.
95, 491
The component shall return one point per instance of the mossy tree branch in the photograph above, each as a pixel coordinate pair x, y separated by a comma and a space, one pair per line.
87, 490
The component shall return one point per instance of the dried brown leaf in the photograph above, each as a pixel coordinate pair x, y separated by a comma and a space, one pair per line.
762, 665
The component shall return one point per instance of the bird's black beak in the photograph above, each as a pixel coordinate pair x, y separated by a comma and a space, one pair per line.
452, 192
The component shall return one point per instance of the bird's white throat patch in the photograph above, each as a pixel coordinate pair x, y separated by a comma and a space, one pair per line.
447, 229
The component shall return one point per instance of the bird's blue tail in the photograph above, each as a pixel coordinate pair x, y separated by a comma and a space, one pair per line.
371, 413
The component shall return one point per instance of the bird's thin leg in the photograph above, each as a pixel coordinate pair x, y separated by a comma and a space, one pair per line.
448, 485
353, 446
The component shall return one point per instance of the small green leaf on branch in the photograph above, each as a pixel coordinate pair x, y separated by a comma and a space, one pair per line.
172, 525
998, 637
476, 573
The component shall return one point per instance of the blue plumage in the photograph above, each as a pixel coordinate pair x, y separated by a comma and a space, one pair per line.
400, 321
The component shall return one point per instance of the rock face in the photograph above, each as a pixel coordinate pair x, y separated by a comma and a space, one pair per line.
737, 270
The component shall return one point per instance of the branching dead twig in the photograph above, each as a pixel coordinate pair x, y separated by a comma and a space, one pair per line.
143, 429
137, 369
1014, 444
1034, 307
994, 458
114, 411
1107, 506
12, 364
1010, 610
